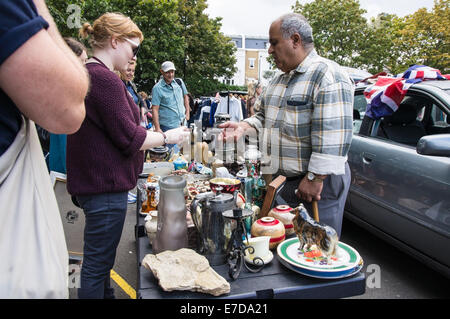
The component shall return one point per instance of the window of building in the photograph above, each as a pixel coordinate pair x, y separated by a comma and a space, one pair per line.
251, 63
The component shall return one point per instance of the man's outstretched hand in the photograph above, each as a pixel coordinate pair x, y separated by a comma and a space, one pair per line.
233, 131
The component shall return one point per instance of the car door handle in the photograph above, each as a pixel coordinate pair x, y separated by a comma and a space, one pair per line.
367, 158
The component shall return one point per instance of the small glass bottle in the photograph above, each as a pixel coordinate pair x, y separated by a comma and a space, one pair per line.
252, 160
248, 202
259, 191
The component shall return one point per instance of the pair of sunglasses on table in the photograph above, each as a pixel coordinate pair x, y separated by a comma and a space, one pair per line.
136, 47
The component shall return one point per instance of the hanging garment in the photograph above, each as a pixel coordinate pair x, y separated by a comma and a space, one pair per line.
231, 106
212, 112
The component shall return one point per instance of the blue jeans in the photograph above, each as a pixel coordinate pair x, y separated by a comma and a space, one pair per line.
105, 217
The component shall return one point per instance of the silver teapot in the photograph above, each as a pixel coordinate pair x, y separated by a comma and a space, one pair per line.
214, 231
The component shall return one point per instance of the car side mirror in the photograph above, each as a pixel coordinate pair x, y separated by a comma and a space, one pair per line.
434, 145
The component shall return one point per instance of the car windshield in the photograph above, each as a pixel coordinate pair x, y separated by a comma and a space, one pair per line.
356, 74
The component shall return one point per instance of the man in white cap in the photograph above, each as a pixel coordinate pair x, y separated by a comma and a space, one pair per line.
170, 101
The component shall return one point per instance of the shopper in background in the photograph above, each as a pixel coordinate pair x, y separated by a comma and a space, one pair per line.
127, 76
78, 48
58, 142
148, 104
254, 92
170, 101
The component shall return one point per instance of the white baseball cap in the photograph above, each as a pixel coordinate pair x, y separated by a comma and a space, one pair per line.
167, 66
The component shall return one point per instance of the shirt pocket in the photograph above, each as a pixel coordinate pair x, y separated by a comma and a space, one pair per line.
298, 111
296, 119
298, 104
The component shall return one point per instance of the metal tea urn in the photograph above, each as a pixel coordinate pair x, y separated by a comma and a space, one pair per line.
206, 211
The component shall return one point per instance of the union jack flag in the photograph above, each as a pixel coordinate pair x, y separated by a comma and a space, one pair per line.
419, 73
384, 97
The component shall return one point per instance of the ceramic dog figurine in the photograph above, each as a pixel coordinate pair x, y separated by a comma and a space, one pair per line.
310, 232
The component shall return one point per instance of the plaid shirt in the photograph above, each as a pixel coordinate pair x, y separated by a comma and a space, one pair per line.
308, 112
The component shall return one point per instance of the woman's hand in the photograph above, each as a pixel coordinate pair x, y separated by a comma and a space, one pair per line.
177, 135
144, 116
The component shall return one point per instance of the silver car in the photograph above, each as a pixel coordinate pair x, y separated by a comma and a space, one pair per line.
400, 168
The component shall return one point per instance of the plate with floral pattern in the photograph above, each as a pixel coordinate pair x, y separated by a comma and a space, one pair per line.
345, 262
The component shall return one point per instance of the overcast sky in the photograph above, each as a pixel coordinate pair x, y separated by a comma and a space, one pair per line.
253, 17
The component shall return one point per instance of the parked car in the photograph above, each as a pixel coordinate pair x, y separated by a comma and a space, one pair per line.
356, 74
400, 167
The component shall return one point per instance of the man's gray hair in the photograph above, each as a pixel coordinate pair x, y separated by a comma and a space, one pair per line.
295, 22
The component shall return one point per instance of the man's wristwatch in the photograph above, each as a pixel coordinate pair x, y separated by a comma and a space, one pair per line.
313, 177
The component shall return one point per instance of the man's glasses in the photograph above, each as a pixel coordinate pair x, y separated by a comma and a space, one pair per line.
136, 48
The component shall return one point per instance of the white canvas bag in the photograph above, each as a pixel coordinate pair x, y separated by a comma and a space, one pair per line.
33, 252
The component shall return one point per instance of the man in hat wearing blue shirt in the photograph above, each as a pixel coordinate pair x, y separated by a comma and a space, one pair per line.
170, 100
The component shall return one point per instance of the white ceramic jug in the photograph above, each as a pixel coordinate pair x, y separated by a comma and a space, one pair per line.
151, 224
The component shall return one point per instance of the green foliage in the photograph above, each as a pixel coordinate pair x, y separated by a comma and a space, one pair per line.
339, 28
180, 31
175, 30
208, 53
380, 52
427, 35
386, 43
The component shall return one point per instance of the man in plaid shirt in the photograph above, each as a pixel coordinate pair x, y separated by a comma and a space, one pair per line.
310, 107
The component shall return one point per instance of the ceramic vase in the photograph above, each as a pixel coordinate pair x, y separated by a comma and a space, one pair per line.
269, 226
151, 224
283, 214
171, 233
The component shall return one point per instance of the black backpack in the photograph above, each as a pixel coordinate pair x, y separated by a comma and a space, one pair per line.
179, 81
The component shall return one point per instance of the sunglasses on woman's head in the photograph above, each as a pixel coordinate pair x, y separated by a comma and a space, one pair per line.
136, 48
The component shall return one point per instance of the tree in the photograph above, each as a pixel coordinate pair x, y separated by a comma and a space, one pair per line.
159, 22
153, 17
208, 54
387, 43
339, 28
425, 38
175, 30
269, 74
66, 14
380, 52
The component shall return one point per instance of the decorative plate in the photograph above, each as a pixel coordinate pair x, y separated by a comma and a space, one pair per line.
323, 275
346, 262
